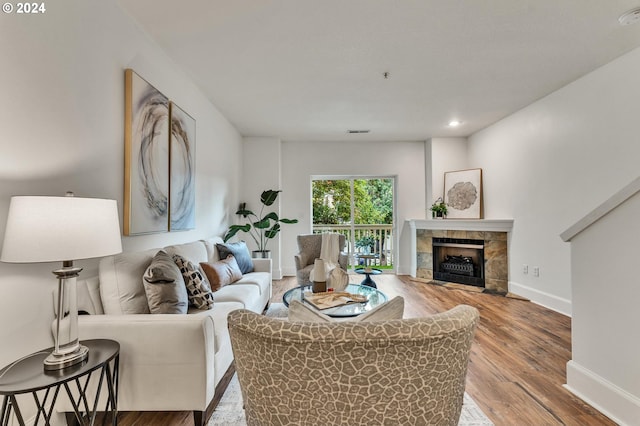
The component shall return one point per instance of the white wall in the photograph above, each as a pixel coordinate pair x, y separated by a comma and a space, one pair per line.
447, 155
301, 160
552, 162
261, 171
62, 120
605, 346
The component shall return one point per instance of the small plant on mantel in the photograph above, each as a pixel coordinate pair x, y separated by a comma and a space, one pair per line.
439, 209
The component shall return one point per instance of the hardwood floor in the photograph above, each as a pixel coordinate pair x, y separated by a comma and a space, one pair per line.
517, 365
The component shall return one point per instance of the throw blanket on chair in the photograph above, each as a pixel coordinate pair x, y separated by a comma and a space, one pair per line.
329, 253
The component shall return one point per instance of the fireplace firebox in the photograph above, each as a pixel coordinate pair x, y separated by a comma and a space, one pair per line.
459, 261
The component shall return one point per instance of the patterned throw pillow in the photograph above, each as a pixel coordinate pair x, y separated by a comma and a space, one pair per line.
164, 286
240, 251
222, 272
198, 288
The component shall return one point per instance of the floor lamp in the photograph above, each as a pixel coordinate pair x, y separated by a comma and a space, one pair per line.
62, 229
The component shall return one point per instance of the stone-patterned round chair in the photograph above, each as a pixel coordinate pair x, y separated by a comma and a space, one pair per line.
396, 372
309, 246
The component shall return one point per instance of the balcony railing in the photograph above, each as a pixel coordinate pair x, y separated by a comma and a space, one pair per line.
379, 235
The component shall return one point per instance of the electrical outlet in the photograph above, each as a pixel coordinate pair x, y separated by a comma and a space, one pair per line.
525, 269
536, 271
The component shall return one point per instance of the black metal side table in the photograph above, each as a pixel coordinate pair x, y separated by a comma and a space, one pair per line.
27, 375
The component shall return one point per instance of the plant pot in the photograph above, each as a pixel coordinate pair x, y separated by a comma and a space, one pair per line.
261, 254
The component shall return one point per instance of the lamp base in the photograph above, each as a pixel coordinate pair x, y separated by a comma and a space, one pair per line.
60, 361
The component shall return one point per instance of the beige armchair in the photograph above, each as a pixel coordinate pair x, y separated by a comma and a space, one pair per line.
309, 250
396, 372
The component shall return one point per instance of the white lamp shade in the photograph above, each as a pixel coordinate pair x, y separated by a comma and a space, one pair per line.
53, 229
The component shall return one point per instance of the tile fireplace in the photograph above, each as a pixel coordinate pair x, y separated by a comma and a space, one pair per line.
471, 252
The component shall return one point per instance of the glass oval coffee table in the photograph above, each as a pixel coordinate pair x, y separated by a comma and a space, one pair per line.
374, 298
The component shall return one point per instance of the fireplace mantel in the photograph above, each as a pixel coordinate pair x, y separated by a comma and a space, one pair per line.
492, 225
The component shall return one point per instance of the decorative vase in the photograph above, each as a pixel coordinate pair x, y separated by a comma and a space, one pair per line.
338, 279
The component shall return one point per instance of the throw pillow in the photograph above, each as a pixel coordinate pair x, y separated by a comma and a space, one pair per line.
222, 272
299, 311
198, 288
393, 309
390, 310
240, 251
164, 286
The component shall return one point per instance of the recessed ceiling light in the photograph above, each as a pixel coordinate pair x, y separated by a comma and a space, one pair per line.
455, 123
630, 17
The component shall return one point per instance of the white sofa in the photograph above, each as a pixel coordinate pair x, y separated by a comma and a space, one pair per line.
167, 362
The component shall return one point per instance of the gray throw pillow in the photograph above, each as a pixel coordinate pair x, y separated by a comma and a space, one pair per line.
164, 286
238, 250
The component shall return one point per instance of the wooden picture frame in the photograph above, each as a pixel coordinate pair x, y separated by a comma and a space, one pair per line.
182, 166
463, 194
146, 169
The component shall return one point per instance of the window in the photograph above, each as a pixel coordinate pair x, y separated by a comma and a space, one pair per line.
360, 208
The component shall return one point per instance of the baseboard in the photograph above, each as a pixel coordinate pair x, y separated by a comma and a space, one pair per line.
288, 272
403, 270
612, 401
542, 298
276, 274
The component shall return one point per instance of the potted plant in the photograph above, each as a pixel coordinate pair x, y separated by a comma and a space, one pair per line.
260, 227
367, 243
438, 209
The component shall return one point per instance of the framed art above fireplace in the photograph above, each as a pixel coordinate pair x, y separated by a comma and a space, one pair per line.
463, 194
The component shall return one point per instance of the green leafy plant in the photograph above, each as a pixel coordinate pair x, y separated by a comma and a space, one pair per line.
439, 208
366, 241
261, 227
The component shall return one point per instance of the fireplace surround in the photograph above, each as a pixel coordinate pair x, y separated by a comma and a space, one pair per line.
494, 233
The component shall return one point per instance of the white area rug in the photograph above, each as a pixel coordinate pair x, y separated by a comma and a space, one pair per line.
229, 411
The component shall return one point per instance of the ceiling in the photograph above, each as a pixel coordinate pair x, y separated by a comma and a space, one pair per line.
313, 69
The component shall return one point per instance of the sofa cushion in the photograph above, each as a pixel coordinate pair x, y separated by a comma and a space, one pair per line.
247, 294
240, 251
194, 251
121, 285
260, 279
164, 286
222, 272
393, 309
212, 250
88, 295
198, 287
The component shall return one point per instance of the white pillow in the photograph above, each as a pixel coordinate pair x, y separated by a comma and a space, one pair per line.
121, 285
195, 251
393, 309
302, 312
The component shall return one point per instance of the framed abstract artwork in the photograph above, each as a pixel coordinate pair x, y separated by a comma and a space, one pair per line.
463, 194
182, 195
146, 191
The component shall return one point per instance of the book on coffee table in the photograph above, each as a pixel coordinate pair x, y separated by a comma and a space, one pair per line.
331, 299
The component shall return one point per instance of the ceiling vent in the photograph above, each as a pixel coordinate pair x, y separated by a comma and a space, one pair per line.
630, 17
358, 131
